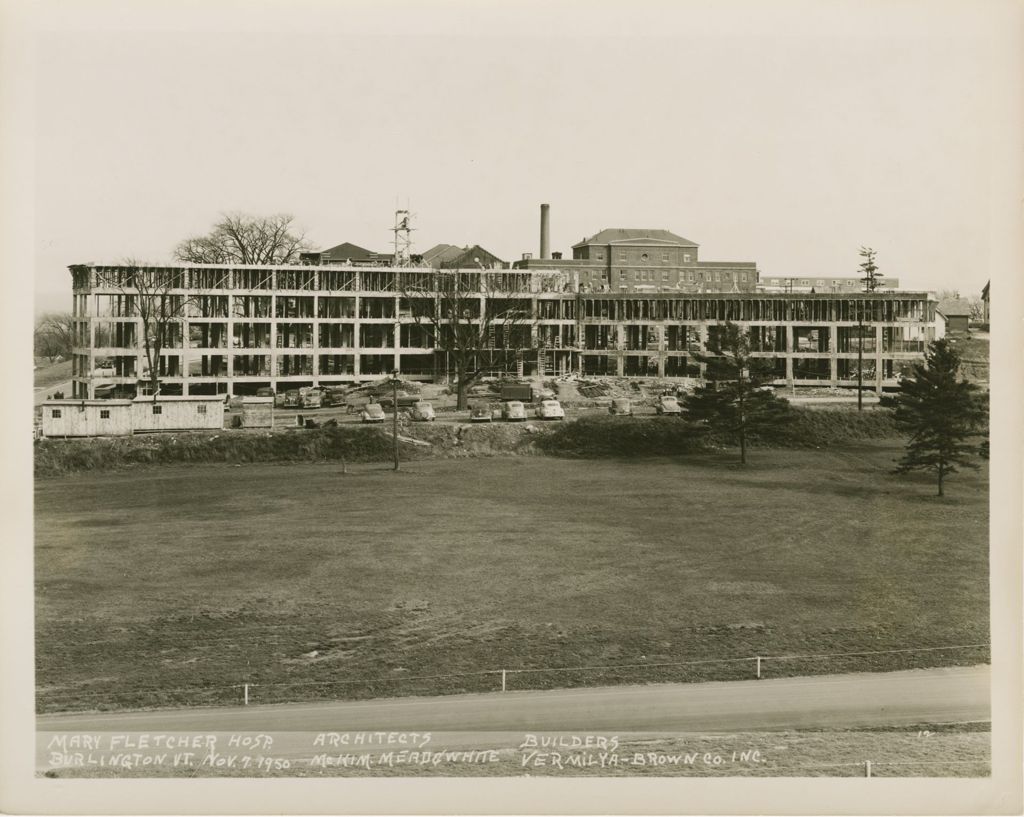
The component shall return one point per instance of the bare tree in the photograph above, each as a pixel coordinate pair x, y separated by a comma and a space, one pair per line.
466, 322
54, 335
242, 239
150, 294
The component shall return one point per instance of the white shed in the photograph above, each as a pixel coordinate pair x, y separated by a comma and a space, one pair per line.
86, 418
172, 413
257, 412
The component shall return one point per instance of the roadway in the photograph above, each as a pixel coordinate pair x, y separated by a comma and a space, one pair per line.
943, 695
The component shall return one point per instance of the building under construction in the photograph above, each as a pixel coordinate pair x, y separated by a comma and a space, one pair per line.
630, 303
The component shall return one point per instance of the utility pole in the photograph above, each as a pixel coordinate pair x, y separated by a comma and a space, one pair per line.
394, 417
860, 357
870, 281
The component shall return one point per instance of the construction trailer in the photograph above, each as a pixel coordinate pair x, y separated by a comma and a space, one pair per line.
86, 418
172, 413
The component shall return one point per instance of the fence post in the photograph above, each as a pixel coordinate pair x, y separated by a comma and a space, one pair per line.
759, 667
246, 695
503, 680
867, 768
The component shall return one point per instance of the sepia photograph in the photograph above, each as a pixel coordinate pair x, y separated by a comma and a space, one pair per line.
522, 401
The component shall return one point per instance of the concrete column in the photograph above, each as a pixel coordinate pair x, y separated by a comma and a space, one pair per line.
273, 342
230, 340
789, 355
878, 359
833, 346
356, 329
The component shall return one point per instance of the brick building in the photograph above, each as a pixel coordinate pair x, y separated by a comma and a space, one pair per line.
628, 260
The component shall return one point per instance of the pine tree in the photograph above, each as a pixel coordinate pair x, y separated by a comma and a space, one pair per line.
940, 411
734, 398
869, 269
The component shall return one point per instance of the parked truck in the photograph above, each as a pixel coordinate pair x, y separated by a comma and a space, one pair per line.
517, 391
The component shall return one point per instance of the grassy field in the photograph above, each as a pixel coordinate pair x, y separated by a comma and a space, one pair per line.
171, 585
50, 374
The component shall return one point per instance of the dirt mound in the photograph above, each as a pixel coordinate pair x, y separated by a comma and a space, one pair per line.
480, 440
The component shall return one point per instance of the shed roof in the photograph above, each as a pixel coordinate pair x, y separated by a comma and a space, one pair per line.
617, 235
440, 253
97, 402
179, 398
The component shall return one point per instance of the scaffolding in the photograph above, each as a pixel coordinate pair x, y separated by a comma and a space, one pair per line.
403, 238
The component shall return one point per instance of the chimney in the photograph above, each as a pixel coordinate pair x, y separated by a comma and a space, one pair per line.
545, 228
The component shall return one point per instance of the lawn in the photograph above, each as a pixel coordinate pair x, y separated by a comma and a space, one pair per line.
50, 374
169, 585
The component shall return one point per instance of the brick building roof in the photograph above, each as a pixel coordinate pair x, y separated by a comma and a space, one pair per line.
620, 234
346, 251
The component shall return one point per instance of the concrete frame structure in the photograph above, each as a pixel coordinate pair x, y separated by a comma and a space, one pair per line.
284, 327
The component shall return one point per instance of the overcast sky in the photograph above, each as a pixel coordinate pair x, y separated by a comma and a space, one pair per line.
785, 134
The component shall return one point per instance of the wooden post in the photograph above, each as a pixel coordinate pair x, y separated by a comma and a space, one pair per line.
867, 768
503, 680
759, 667
246, 695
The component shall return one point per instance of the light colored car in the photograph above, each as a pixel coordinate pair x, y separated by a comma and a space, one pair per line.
372, 413
480, 413
550, 410
422, 411
513, 410
668, 404
310, 397
621, 406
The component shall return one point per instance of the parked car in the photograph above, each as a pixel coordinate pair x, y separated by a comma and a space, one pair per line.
264, 392
513, 410
404, 400
480, 413
310, 397
372, 413
332, 397
292, 399
422, 411
668, 404
550, 410
622, 406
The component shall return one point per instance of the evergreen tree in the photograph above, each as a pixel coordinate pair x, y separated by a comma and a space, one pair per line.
869, 269
733, 398
940, 412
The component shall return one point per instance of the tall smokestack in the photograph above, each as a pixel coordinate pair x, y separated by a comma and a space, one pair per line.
545, 231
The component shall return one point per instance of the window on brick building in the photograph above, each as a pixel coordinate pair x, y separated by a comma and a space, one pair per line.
158, 409
55, 414
104, 414
201, 409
